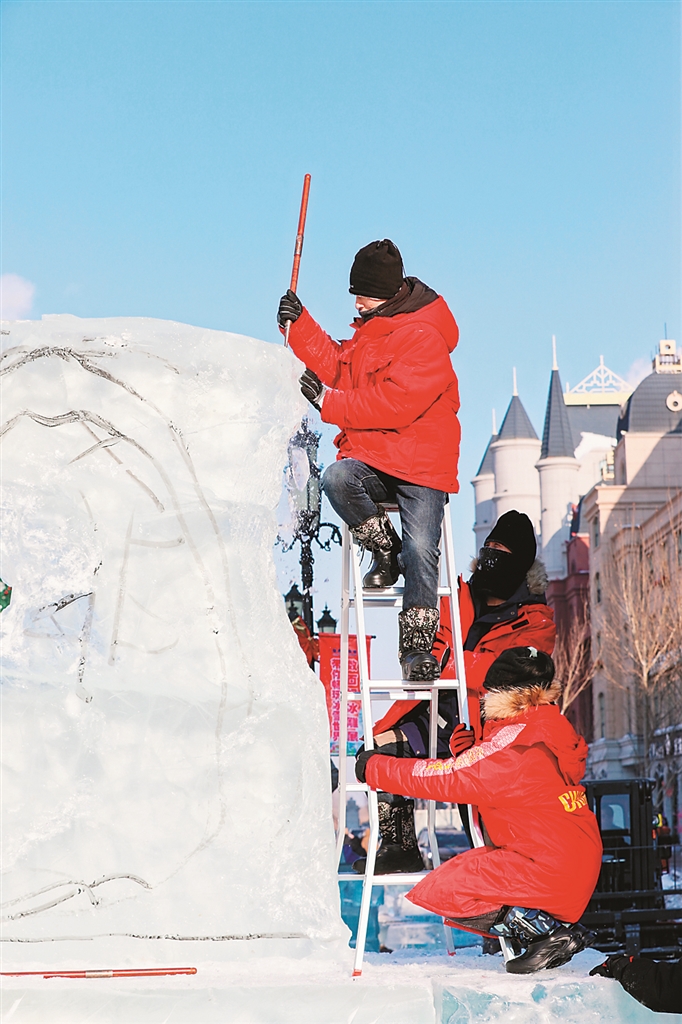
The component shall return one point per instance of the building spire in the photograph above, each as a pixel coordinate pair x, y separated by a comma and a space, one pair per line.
554, 362
515, 390
494, 423
556, 436
516, 422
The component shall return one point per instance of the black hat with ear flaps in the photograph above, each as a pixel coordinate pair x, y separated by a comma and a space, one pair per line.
520, 667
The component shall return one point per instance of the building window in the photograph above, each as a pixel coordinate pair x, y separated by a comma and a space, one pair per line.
597, 587
679, 548
595, 532
602, 716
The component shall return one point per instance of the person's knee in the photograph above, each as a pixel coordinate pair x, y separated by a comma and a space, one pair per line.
334, 479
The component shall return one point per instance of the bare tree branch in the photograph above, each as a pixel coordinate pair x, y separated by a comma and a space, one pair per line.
640, 625
572, 659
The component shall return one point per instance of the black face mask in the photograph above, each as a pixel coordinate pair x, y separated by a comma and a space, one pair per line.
498, 574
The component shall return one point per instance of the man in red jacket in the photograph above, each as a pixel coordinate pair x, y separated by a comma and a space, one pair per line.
393, 392
536, 879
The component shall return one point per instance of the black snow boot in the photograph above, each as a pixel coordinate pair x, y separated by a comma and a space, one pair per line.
549, 943
417, 629
399, 851
377, 535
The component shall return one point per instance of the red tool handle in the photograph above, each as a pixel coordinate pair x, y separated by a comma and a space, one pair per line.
143, 972
298, 248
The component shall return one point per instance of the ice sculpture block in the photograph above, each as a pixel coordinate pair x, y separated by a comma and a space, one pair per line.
165, 751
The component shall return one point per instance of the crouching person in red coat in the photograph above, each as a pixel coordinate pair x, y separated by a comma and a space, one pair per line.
535, 881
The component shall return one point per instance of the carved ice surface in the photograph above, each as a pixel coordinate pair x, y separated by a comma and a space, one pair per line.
164, 745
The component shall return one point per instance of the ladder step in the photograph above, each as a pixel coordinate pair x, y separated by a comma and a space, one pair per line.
392, 594
383, 685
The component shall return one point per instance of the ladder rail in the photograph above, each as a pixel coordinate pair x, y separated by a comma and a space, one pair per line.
368, 736
343, 694
460, 667
431, 804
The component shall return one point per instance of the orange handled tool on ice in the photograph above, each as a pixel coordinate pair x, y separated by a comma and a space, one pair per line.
298, 248
139, 972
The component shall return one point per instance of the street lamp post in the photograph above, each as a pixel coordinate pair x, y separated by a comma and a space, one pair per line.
303, 484
294, 603
326, 622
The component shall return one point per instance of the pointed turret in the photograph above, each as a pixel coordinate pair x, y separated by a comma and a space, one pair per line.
557, 437
515, 451
558, 469
516, 422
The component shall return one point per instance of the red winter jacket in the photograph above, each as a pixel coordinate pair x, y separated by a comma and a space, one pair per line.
393, 391
525, 778
533, 626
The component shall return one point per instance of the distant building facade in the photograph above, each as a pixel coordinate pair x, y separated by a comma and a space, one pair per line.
607, 453
643, 500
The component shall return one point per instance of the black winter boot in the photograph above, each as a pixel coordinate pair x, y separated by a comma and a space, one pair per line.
377, 535
417, 627
548, 942
399, 850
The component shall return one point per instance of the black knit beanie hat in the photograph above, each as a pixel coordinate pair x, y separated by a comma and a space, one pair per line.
377, 270
515, 530
520, 667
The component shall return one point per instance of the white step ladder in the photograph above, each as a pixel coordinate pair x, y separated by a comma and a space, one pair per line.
354, 596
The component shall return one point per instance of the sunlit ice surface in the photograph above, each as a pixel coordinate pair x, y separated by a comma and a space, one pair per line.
165, 750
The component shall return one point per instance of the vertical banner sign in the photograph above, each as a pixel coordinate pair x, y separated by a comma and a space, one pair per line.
330, 674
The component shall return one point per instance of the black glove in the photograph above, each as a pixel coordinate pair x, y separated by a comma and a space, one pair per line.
361, 759
290, 308
312, 388
613, 967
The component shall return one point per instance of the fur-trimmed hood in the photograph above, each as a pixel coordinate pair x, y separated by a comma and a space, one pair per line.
514, 700
535, 709
536, 577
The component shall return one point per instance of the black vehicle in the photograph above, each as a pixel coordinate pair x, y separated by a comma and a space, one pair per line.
628, 907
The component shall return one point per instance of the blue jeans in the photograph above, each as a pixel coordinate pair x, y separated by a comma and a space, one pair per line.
355, 492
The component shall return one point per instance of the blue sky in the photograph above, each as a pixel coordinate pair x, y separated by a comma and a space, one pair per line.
525, 156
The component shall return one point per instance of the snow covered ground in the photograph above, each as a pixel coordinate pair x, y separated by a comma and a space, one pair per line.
403, 988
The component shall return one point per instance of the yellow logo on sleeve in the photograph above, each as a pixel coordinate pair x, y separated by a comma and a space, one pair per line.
573, 800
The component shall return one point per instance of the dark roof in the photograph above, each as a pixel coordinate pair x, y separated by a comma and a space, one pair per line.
646, 412
487, 460
592, 419
515, 422
557, 438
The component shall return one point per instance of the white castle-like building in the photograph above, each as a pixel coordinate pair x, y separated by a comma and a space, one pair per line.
610, 461
546, 478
